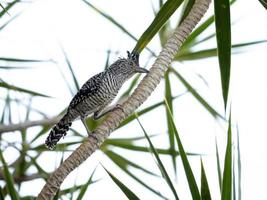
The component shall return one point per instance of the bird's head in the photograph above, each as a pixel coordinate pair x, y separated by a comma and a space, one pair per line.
126, 68
133, 63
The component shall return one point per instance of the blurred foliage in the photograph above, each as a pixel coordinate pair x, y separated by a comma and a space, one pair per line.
264, 3
14, 174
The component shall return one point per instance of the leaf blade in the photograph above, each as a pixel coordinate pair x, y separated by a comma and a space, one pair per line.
188, 171
227, 172
85, 186
130, 195
201, 100
113, 21
205, 191
161, 18
159, 162
9, 180
4, 84
70, 68
223, 35
218, 165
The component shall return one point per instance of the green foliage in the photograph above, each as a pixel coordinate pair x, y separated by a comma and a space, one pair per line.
162, 16
219, 172
223, 35
264, 3
188, 171
227, 172
159, 162
85, 186
125, 189
205, 191
9, 180
5, 85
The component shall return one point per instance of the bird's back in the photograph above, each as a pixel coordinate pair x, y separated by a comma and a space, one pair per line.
95, 95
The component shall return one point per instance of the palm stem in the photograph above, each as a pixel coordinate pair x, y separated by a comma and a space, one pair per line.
141, 93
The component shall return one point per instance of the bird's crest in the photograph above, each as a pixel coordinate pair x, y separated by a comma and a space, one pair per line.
134, 56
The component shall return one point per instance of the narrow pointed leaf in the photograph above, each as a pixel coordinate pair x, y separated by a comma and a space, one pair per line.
210, 36
66, 81
85, 186
192, 37
115, 22
234, 178
168, 97
8, 7
223, 35
2, 7
9, 21
188, 171
130, 146
146, 110
218, 166
227, 172
70, 68
111, 19
19, 89
124, 189
207, 53
126, 163
20, 60
124, 168
245, 44
201, 54
40, 170
205, 190
8, 178
12, 67
159, 162
129, 140
74, 188
201, 100
161, 18
264, 3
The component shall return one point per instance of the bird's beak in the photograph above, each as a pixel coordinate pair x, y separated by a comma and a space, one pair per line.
141, 70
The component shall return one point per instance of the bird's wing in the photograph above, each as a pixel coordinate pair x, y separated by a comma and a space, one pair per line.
88, 89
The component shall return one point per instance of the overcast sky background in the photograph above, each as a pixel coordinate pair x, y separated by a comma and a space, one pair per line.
86, 36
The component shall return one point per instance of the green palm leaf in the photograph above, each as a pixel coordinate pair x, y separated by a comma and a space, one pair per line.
124, 189
159, 162
227, 172
188, 171
223, 35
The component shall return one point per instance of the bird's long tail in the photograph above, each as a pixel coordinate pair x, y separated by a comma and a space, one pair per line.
57, 132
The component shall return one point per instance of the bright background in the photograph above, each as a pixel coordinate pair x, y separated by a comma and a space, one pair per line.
86, 37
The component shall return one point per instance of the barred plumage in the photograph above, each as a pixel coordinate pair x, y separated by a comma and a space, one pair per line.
96, 94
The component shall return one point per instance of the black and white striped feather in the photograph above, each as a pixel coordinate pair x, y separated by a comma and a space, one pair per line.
97, 93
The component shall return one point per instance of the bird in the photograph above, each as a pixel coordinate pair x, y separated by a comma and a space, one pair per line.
95, 95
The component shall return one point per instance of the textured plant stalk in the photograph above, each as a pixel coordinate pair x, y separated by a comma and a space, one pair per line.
141, 93
28, 124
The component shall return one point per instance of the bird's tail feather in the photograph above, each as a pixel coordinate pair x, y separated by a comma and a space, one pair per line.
57, 132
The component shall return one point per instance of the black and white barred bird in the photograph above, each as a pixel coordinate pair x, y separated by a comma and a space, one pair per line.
95, 95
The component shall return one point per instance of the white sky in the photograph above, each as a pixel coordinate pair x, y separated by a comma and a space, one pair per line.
86, 36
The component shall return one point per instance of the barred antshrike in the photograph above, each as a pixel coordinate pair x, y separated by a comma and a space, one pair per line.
95, 95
